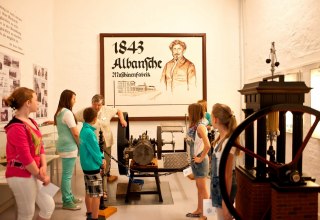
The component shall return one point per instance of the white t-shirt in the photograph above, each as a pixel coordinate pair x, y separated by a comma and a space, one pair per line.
68, 119
198, 142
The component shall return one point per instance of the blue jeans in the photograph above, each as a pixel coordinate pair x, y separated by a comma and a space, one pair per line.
215, 190
67, 172
200, 170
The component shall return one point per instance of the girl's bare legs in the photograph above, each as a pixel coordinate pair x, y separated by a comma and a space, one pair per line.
202, 194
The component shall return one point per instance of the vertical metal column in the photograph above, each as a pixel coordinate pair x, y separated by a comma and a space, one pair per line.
281, 140
297, 135
261, 147
249, 141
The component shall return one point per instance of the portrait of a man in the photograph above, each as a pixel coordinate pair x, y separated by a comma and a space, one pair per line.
179, 71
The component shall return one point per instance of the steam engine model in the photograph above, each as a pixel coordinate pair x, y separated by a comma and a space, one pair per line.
272, 189
144, 149
141, 150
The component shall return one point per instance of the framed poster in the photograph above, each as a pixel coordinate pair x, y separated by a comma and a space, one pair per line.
153, 76
40, 86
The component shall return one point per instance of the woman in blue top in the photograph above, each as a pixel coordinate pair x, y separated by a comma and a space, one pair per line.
67, 146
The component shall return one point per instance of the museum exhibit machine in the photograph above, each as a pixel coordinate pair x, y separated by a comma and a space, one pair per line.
271, 186
145, 157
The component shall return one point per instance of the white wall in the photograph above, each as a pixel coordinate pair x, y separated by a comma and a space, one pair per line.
294, 27
37, 39
63, 37
78, 24
37, 42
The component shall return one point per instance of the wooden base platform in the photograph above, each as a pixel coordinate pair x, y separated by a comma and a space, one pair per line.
110, 210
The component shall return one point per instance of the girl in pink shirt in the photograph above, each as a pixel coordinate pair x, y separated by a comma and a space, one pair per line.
26, 162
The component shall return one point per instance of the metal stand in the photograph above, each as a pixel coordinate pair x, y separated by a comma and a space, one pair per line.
149, 169
104, 211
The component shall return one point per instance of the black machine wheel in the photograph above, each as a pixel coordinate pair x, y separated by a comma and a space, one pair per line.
122, 143
278, 168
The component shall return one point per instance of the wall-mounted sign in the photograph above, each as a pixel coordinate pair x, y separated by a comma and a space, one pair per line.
153, 76
10, 30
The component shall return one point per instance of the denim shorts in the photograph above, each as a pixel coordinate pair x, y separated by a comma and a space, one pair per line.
215, 191
200, 169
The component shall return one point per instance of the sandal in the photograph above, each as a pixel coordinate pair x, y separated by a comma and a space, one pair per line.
105, 196
193, 215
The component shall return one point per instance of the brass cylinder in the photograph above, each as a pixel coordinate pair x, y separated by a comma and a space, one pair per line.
273, 123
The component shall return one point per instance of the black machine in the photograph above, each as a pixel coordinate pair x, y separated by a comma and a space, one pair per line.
144, 157
144, 149
141, 150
